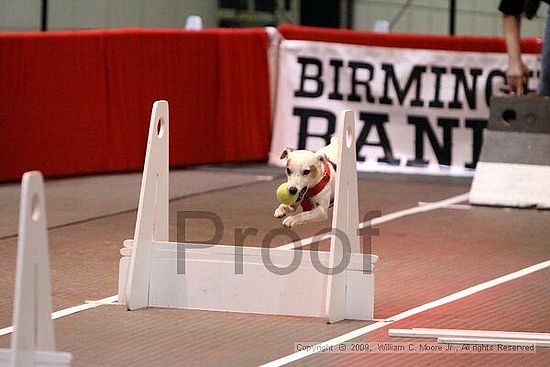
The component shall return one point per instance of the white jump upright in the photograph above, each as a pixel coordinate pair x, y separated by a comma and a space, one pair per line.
263, 281
33, 342
345, 218
152, 216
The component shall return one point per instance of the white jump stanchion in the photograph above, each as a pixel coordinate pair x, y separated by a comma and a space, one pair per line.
152, 216
148, 273
33, 342
345, 218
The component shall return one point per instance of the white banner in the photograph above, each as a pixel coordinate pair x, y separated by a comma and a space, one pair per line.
418, 111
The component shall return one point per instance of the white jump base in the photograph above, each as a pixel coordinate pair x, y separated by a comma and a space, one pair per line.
148, 275
210, 282
511, 184
33, 341
39, 359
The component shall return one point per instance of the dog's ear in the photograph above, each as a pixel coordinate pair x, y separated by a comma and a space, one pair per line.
322, 157
286, 152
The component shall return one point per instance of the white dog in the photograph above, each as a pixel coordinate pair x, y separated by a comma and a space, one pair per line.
312, 176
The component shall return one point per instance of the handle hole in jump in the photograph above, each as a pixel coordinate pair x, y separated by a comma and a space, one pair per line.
507, 117
349, 137
35, 208
160, 128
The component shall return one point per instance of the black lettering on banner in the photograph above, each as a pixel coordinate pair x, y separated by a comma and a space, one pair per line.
378, 120
442, 151
438, 71
354, 96
477, 127
531, 74
414, 77
469, 93
496, 73
335, 94
315, 78
305, 114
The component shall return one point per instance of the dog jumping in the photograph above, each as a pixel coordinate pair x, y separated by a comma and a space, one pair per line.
311, 175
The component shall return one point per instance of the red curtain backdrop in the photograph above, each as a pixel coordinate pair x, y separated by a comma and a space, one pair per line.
79, 102
421, 41
53, 104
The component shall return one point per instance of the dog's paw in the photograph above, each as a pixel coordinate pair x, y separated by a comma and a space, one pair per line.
279, 213
290, 222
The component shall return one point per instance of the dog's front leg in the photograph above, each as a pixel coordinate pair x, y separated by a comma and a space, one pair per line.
284, 210
314, 215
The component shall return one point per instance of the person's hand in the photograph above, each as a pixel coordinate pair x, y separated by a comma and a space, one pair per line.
516, 76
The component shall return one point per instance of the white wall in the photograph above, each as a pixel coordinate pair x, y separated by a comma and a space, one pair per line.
16, 15
473, 17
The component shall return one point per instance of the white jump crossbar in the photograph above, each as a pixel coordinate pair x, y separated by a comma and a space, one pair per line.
148, 271
32, 342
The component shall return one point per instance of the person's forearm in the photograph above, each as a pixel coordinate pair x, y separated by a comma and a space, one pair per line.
511, 26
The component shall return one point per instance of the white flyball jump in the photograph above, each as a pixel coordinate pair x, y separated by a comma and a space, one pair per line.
148, 271
32, 343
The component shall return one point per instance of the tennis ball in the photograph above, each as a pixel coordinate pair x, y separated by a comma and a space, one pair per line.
284, 196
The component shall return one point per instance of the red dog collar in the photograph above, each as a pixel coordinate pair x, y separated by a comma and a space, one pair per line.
306, 201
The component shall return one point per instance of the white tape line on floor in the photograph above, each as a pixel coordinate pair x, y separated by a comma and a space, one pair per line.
403, 315
71, 310
384, 219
